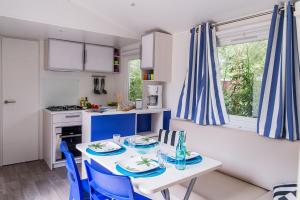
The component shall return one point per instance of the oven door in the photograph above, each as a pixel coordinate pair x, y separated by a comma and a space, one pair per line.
72, 136
72, 141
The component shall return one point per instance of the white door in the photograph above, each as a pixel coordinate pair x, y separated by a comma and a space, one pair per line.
20, 75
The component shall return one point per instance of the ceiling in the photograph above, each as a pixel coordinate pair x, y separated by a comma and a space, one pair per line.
115, 22
172, 15
33, 30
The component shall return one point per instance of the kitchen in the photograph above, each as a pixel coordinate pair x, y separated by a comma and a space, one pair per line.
159, 93
69, 73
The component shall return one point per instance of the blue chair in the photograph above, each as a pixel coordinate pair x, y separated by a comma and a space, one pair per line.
110, 185
79, 189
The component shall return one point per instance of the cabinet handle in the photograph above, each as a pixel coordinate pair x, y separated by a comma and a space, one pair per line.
69, 136
72, 116
85, 56
9, 101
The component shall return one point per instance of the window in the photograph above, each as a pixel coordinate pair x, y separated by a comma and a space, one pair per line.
242, 67
135, 80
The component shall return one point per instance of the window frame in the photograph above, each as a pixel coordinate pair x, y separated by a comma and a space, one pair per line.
228, 36
126, 63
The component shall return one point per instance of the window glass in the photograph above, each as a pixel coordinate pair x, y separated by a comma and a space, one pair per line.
242, 68
135, 80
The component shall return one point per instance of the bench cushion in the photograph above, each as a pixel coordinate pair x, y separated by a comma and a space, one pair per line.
177, 192
262, 161
267, 196
216, 186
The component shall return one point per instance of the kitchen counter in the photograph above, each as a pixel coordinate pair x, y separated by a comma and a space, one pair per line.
101, 126
116, 112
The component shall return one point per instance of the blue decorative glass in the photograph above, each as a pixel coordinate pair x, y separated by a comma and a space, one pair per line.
181, 152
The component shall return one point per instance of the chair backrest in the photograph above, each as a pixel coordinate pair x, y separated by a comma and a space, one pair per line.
168, 137
72, 172
108, 184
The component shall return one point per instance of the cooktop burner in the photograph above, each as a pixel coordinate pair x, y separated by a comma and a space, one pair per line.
64, 108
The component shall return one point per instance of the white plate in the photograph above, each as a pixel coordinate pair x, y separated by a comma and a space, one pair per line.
189, 155
142, 140
138, 164
104, 147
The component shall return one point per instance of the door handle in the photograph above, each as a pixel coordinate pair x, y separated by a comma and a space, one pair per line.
9, 101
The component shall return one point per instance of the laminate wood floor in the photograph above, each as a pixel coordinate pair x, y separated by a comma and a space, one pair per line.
33, 181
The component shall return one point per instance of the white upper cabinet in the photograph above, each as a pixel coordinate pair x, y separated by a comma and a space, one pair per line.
148, 51
98, 58
157, 56
65, 55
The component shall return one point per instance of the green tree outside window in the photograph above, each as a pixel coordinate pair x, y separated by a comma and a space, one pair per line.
242, 68
135, 80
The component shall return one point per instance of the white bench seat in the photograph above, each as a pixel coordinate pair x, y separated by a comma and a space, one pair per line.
219, 186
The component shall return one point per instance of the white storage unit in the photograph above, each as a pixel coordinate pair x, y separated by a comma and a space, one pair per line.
65, 55
157, 55
53, 122
98, 58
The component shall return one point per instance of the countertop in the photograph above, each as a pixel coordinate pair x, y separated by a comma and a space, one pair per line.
115, 112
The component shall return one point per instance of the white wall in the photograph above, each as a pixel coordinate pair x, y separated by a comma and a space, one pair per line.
180, 60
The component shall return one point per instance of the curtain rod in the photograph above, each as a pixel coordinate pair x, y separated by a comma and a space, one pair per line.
242, 18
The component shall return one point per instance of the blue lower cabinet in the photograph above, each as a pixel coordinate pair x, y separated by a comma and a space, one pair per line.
166, 120
104, 126
143, 123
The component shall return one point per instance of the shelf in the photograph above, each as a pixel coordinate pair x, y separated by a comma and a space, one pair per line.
152, 81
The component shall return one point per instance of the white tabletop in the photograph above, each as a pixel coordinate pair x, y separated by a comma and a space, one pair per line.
151, 185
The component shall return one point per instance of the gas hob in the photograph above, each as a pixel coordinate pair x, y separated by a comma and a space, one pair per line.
64, 108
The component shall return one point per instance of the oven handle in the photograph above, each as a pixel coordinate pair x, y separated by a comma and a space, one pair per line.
72, 116
68, 136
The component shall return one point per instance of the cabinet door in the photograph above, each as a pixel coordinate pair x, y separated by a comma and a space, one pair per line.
147, 51
104, 126
65, 55
99, 58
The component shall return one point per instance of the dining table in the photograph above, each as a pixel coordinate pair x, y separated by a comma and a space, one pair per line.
160, 183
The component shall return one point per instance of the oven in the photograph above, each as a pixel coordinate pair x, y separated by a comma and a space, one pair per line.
72, 136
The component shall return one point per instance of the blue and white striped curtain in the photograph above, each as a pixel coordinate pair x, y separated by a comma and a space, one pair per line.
201, 98
279, 105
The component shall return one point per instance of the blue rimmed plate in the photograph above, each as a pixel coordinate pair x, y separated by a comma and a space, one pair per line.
111, 153
192, 161
140, 146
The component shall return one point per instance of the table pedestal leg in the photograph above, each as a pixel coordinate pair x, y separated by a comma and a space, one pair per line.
166, 194
190, 189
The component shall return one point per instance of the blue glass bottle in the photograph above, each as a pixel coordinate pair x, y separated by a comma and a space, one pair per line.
181, 152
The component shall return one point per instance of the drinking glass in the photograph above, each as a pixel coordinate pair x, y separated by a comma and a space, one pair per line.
131, 142
161, 158
117, 138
